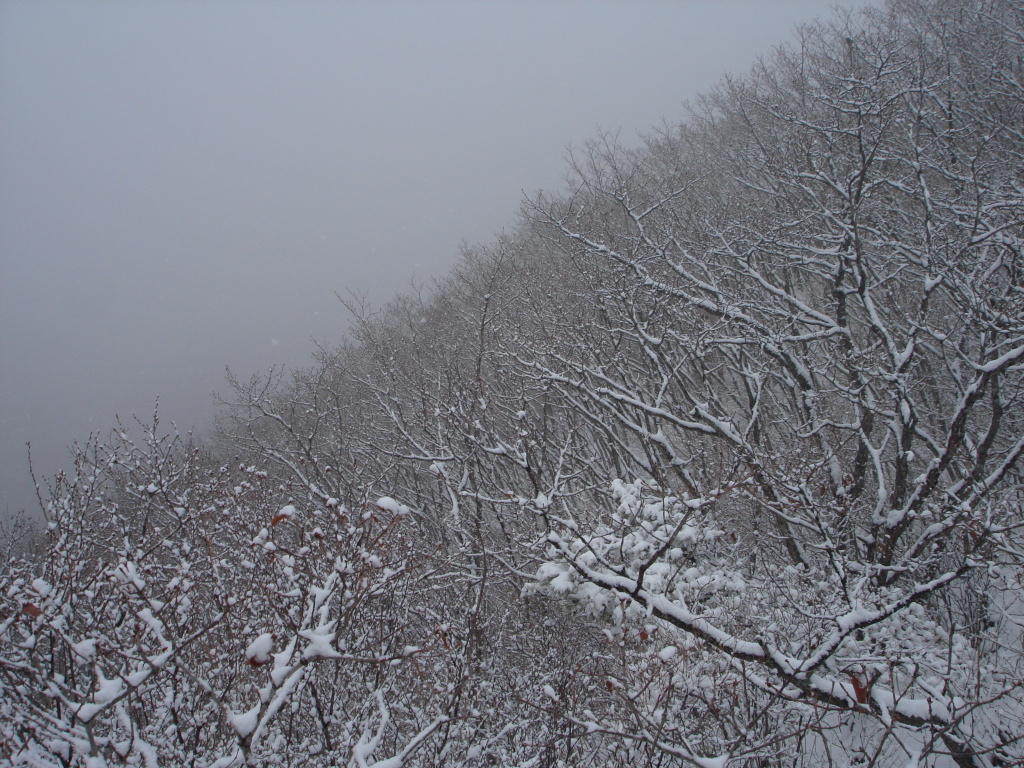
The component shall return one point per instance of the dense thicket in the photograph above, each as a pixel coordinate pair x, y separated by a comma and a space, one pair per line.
714, 460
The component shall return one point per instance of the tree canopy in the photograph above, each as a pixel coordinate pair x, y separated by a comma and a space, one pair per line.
713, 460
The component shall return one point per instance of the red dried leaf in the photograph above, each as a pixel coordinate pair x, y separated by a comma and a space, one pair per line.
31, 610
860, 687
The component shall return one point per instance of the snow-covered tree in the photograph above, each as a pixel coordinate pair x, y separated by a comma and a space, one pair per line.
812, 337
187, 613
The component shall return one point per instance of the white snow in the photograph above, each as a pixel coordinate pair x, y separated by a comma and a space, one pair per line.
259, 650
390, 505
86, 649
245, 723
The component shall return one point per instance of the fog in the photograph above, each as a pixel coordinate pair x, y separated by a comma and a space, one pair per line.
188, 186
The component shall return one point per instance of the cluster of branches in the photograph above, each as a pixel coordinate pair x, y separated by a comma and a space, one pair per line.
714, 460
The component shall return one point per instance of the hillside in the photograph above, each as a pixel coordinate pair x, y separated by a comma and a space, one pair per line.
712, 460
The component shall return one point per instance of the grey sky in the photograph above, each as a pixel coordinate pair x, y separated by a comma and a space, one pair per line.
185, 186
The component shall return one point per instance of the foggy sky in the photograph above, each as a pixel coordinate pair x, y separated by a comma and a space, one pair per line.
185, 186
